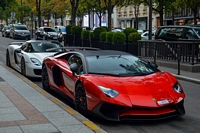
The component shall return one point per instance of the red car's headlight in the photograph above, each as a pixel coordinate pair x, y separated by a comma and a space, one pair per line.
109, 92
177, 88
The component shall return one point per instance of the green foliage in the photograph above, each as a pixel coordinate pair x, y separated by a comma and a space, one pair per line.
68, 28
129, 30
85, 34
91, 34
119, 38
109, 36
103, 36
105, 27
134, 37
76, 30
98, 30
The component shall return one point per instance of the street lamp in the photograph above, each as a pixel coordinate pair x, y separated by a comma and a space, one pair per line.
150, 19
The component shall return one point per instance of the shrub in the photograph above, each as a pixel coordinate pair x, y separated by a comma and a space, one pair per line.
85, 34
129, 30
76, 30
109, 36
68, 28
103, 36
91, 34
119, 38
134, 37
105, 27
98, 30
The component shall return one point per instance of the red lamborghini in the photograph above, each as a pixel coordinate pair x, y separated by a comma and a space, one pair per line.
113, 85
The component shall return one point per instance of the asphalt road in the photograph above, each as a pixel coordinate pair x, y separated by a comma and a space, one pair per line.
189, 123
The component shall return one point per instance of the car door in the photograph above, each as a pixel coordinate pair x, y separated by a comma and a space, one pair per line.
68, 77
20, 52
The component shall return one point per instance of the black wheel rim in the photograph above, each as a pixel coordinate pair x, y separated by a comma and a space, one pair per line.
80, 100
23, 68
45, 80
7, 59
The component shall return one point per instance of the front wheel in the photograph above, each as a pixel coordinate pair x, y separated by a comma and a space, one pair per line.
8, 59
81, 100
23, 67
45, 79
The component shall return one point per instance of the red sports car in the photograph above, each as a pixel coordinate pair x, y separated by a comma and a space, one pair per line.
113, 85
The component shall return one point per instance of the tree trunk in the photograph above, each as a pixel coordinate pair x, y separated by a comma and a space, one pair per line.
195, 16
161, 17
109, 10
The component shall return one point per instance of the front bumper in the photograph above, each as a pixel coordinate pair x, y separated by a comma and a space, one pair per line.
23, 36
121, 113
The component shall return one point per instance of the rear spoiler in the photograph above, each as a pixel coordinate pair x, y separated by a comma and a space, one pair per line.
16, 43
67, 49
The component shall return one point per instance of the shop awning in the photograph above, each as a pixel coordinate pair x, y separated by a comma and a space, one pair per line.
125, 18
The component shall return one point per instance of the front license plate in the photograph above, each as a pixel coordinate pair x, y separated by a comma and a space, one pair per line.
163, 102
54, 37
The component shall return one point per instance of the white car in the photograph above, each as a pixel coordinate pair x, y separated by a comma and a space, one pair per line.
26, 57
145, 35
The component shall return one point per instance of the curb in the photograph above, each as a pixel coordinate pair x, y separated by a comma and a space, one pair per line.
192, 80
62, 105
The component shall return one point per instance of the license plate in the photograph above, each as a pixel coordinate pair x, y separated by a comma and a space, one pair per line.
54, 37
163, 102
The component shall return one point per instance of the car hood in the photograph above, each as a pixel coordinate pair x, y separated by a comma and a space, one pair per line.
23, 31
141, 89
40, 56
52, 33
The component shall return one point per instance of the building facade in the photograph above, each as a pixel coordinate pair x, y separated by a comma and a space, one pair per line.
125, 17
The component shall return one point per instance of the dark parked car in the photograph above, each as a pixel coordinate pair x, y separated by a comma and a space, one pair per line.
6, 31
174, 33
19, 31
46, 33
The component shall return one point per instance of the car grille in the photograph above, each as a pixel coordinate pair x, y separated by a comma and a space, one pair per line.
37, 71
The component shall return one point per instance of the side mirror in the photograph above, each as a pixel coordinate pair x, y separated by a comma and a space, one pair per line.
73, 67
153, 64
18, 50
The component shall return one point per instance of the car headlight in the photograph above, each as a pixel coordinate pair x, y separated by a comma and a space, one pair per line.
109, 92
35, 61
177, 88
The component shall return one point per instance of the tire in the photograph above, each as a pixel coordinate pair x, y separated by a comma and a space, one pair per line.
81, 100
23, 67
8, 59
36, 37
45, 79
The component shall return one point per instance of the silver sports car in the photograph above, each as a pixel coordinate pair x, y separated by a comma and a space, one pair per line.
26, 57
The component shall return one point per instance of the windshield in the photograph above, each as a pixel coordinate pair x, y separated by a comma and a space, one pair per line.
20, 28
43, 46
197, 30
121, 65
49, 30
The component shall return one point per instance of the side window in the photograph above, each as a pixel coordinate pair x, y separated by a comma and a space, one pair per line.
76, 59
24, 47
190, 34
172, 32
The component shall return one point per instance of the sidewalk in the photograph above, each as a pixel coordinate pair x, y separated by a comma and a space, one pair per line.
26, 108
184, 75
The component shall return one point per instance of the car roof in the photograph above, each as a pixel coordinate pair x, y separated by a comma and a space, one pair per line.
99, 52
30, 41
181, 26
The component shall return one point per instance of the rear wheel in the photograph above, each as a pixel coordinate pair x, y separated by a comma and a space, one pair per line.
45, 79
80, 100
8, 59
36, 37
23, 67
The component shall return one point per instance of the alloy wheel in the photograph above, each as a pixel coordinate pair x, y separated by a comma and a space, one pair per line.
45, 79
7, 59
80, 100
23, 67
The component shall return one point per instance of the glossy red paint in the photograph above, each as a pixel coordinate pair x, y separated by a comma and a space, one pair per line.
148, 95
